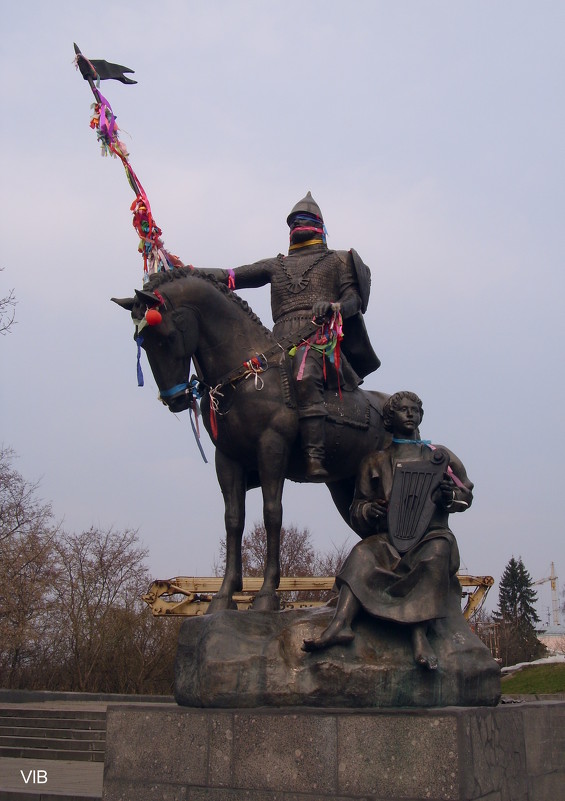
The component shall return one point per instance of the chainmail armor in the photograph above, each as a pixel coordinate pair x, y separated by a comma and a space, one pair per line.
302, 279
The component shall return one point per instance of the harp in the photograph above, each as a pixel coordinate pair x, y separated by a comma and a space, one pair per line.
411, 506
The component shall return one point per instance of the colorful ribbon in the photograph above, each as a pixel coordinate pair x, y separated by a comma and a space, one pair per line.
103, 121
327, 341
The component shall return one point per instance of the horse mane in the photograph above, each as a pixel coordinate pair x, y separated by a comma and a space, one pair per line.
166, 276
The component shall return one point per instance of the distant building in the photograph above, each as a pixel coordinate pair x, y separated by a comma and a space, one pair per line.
553, 638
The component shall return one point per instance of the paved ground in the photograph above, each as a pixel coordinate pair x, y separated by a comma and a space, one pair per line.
69, 779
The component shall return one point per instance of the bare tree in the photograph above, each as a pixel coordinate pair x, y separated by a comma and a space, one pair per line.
297, 551
487, 630
7, 310
101, 637
71, 615
329, 563
27, 571
140, 652
102, 575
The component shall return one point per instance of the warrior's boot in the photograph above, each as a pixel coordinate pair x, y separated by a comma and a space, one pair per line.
312, 433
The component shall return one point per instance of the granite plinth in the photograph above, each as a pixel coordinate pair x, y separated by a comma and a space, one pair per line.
172, 753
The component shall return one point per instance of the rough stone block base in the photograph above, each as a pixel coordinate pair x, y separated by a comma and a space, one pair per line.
254, 659
171, 753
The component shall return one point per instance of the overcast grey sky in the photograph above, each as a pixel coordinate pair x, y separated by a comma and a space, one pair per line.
431, 135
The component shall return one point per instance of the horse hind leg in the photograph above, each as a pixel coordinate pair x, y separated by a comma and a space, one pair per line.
272, 458
342, 495
231, 477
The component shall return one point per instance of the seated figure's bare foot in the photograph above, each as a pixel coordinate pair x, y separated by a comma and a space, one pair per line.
424, 654
337, 633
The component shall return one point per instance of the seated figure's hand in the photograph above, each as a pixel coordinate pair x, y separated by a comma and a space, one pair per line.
375, 511
444, 495
321, 308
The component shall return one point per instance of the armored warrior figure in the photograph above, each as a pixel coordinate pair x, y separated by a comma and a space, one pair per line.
406, 565
313, 282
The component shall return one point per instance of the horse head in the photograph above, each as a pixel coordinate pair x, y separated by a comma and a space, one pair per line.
168, 333
186, 314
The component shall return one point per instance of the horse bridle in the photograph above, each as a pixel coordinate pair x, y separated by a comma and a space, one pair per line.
168, 395
184, 388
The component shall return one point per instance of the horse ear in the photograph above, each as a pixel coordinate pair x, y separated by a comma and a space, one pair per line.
148, 298
125, 303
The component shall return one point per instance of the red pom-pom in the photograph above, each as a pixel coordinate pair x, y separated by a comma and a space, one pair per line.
153, 317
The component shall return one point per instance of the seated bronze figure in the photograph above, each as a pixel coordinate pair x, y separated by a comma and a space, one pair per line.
406, 563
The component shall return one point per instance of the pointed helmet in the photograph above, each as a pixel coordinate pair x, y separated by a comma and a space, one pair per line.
305, 206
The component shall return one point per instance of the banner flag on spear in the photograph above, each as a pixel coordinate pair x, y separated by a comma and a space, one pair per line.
155, 257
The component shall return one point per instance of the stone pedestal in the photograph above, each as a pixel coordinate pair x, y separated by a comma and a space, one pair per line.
251, 659
171, 753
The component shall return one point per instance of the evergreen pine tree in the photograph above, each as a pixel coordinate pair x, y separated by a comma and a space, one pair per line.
517, 616
516, 597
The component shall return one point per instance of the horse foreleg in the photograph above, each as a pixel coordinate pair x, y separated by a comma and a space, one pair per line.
272, 460
342, 495
231, 477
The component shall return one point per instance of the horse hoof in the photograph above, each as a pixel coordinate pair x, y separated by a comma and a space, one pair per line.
218, 604
266, 603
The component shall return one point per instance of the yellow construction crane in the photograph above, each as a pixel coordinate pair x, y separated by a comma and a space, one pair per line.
554, 593
189, 596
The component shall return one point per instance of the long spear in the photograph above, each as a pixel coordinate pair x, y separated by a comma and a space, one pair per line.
155, 257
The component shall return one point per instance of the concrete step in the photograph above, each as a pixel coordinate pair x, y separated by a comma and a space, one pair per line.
28, 752
46, 722
70, 777
17, 729
55, 714
59, 743
32, 733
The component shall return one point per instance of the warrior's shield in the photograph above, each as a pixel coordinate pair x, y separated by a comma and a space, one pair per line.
411, 507
363, 279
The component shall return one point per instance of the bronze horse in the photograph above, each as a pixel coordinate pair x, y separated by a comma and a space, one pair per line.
248, 407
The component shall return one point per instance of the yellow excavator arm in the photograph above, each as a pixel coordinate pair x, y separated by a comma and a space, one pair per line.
189, 596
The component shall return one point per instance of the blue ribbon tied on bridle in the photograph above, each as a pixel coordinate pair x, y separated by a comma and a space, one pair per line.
178, 389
